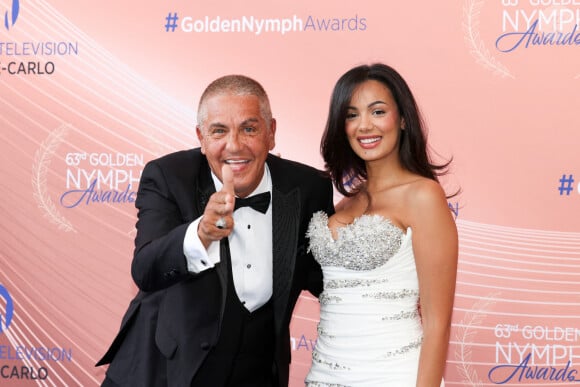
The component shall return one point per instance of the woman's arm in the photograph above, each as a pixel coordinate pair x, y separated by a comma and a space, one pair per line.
435, 245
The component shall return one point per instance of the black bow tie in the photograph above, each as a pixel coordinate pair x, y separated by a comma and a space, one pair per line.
259, 202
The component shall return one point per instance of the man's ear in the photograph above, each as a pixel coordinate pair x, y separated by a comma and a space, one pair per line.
272, 134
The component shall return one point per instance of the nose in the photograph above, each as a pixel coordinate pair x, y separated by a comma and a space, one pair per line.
365, 122
233, 141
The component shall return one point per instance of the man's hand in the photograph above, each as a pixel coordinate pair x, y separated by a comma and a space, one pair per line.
219, 209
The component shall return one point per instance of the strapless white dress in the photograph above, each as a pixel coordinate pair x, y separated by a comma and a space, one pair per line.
369, 332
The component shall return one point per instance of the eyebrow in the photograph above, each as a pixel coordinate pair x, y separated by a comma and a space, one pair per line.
217, 125
249, 121
378, 102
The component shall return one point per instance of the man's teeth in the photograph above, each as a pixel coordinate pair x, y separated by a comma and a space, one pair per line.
235, 161
369, 140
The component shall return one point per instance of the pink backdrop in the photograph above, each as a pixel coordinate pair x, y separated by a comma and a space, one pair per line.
92, 91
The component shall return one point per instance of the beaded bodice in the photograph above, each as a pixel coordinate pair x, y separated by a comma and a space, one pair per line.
365, 244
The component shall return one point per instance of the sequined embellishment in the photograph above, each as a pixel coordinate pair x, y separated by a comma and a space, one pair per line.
402, 316
352, 283
367, 243
403, 293
324, 299
320, 384
335, 366
404, 349
322, 332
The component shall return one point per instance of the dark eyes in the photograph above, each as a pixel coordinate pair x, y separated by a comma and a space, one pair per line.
375, 112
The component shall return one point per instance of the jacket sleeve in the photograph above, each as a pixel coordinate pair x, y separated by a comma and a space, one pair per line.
158, 260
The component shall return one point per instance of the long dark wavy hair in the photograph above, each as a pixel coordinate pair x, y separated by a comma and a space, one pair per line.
348, 170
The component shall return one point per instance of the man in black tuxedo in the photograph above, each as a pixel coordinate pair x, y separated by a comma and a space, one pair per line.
218, 283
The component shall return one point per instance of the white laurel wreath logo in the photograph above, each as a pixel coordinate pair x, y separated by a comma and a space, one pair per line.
42, 159
464, 336
471, 13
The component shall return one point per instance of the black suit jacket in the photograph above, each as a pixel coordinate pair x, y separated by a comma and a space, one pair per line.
175, 318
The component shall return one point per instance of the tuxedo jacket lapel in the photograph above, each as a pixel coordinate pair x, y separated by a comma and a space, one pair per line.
205, 186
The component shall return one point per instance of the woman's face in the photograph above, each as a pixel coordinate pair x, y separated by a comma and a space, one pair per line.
373, 122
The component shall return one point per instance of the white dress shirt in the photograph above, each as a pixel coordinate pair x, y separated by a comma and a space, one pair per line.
250, 248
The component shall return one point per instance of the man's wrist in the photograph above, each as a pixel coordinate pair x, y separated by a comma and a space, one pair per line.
205, 241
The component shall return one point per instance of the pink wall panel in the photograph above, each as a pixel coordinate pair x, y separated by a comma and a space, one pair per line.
90, 92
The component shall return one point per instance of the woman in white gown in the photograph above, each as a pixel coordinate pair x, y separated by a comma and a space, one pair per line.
389, 253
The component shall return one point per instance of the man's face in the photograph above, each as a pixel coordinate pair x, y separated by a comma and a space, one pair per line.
234, 132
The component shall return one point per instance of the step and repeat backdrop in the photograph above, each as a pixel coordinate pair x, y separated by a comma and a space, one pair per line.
90, 91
